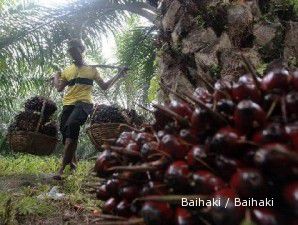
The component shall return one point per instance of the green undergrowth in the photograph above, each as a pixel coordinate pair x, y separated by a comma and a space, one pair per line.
24, 179
27, 164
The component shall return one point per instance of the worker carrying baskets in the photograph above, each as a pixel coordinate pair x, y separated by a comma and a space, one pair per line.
78, 80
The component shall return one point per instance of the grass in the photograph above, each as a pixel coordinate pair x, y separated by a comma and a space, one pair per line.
27, 164
25, 178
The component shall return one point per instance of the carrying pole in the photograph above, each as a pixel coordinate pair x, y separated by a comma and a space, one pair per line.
107, 66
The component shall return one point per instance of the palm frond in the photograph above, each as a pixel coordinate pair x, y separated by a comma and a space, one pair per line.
37, 34
136, 49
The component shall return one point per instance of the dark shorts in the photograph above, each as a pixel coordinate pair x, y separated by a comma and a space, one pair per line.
72, 118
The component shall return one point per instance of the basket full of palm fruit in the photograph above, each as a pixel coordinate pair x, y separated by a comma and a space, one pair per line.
32, 131
108, 121
228, 156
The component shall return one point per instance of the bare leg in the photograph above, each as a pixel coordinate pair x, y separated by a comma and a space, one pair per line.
74, 161
69, 154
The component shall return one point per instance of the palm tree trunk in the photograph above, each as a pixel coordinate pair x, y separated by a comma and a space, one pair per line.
206, 39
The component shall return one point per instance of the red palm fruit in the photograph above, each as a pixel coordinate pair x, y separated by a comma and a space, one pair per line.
227, 212
290, 196
173, 146
172, 128
142, 138
135, 208
132, 146
112, 186
242, 91
177, 176
188, 136
227, 166
161, 120
102, 193
248, 156
160, 134
248, 182
265, 216
248, 79
154, 188
295, 79
123, 209
109, 206
106, 160
222, 90
127, 175
203, 95
156, 213
158, 175
292, 104
184, 217
249, 115
276, 79
149, 148
225, 141
225, 107
196, 156
124, 139
129, 192
275, 160
274, 132
205, 182
165, 141
203, 122
292, 132
181, 108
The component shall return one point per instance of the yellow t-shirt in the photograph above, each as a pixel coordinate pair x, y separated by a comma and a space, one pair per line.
80, 84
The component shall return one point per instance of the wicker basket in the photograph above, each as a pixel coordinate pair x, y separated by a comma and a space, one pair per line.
32, 142
102, 132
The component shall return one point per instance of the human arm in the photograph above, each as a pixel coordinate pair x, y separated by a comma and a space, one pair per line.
108, 84
58, 82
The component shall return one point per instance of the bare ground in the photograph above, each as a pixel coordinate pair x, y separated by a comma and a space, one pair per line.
65, 211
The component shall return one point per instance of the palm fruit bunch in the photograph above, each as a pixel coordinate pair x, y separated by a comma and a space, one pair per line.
50, 129
134, 118
29, 119
236, 144
107, 114
115, 114
35, 104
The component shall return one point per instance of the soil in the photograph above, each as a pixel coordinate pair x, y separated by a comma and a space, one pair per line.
67, 213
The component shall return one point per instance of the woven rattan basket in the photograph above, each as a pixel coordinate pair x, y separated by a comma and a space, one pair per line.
32, 142
102, 132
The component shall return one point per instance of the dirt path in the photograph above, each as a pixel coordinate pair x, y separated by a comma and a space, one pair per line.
12, 183
22, 204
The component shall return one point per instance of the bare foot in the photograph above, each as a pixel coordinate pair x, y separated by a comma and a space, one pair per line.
58, 176
73, 167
